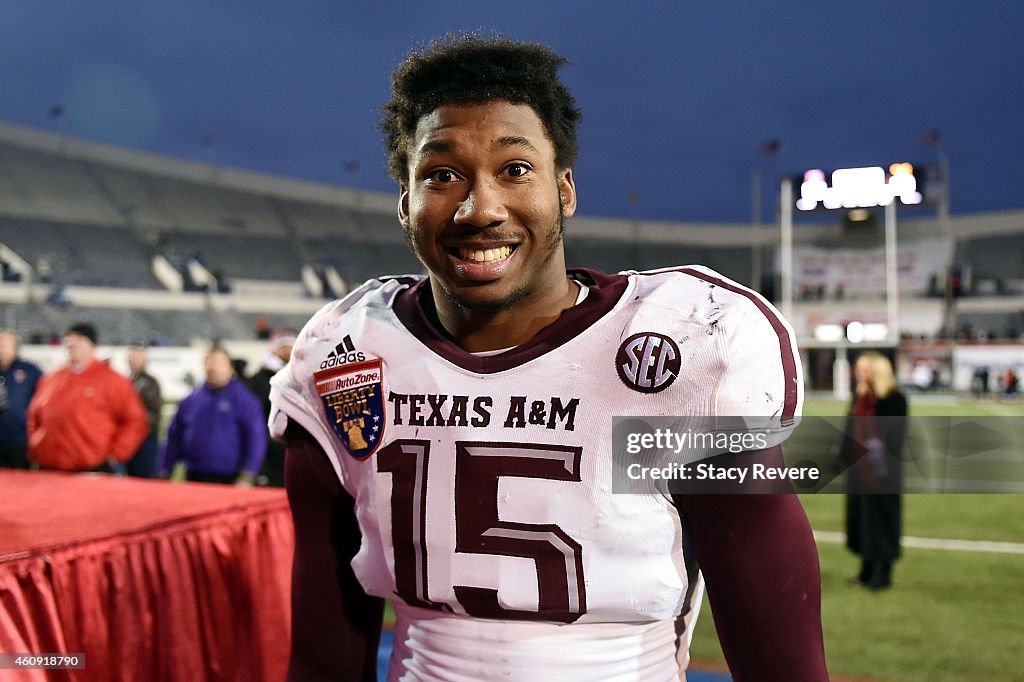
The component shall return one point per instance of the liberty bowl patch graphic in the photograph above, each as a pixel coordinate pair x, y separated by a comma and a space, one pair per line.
353, 398
648, 362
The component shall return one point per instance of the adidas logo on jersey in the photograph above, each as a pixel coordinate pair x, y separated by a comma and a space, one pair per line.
344, 353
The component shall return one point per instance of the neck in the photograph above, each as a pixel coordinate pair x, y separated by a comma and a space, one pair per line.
478, 331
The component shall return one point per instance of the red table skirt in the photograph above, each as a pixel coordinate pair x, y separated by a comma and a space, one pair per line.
150, 580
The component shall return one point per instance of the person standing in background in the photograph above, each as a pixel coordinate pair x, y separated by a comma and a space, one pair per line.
278, 352
85, 416
1011, 383
876, 430
219, 431
143, 463
18, 381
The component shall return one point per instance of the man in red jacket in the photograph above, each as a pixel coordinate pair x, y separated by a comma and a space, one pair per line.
85, 416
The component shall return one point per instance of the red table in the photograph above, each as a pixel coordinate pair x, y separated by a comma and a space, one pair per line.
150, 580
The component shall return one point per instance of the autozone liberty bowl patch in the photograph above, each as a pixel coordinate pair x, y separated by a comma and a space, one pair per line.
353, 398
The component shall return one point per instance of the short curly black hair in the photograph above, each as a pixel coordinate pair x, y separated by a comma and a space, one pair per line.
471, 68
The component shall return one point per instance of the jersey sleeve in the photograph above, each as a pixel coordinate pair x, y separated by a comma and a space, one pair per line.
293, 400
293, 396
762, 381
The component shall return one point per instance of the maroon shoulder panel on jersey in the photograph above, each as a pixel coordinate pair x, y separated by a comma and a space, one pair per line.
415, 308
785, 344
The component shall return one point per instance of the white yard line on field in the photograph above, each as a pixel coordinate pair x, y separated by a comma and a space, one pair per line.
937, 543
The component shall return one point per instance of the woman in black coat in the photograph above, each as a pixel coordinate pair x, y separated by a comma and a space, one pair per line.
875, 430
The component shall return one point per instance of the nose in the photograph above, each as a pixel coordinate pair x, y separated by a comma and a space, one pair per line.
484, 206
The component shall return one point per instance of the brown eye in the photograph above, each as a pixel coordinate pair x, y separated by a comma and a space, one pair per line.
443, 176
517, 170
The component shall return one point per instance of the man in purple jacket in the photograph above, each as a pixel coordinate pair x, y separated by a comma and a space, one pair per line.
219, 431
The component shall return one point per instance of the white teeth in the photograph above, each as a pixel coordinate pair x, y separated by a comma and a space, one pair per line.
485, 255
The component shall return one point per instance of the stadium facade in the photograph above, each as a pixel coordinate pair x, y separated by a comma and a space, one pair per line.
179, 253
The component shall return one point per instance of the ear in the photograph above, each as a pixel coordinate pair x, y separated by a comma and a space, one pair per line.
567, 192
403, 206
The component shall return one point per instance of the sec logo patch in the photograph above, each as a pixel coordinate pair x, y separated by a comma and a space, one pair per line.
353, 400
648, 362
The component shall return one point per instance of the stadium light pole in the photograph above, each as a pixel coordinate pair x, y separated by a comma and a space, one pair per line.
206, 141
755, 210
786, 246
768, 148
57, 112
947, 234
933, 138
892, 299
352, 167
634, 221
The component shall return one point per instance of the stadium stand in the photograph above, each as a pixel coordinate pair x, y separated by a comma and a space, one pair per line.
266, 257
54, 188
81, 222
108, 256
997, 262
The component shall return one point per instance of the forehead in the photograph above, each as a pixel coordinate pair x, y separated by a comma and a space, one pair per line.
479, 127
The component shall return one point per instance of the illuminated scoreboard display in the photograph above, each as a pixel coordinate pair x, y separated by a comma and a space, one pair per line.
847, 188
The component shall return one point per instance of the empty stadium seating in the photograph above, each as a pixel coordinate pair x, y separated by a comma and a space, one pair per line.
81, 214
97, 255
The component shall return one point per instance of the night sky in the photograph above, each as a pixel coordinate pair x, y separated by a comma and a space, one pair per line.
677, 97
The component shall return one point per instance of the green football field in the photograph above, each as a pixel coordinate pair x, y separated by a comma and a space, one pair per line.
952, 614
927, 405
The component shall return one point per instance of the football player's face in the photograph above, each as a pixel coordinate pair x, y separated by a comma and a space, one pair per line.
483, 205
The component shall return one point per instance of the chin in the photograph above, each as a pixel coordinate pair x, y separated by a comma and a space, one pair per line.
485, 302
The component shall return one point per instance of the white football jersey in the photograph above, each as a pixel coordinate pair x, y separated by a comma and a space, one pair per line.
482, 484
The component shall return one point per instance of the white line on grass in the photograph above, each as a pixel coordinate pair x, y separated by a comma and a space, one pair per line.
937, 543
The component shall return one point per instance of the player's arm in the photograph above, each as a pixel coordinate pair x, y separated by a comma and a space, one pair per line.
756, 551
335, 624
760, 567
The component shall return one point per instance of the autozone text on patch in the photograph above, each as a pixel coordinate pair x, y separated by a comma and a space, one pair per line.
353, 401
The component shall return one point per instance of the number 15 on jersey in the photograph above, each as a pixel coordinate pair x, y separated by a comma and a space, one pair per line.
479, 466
